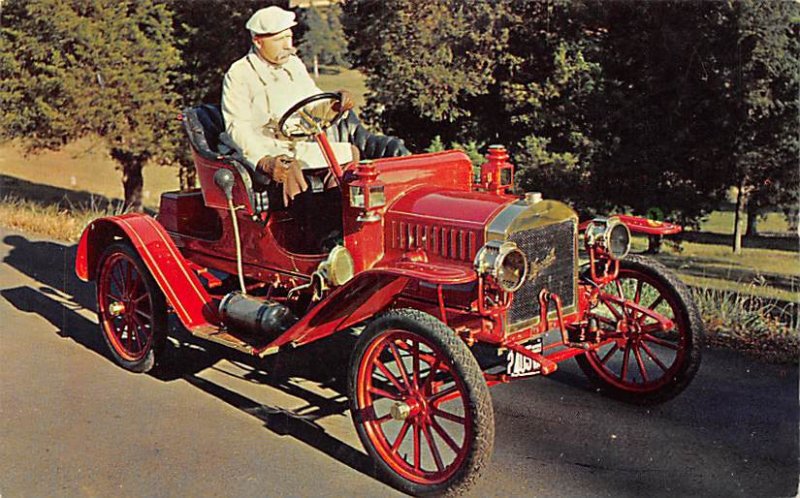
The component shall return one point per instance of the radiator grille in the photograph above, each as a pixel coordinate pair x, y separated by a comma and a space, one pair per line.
552, 258
447, 242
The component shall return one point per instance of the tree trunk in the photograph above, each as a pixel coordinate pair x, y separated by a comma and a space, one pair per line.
741, 200
752, 220
132, 180
316, 67
653, 244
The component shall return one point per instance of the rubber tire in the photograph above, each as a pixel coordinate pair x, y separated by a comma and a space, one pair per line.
479, 402
159, 321
686, 313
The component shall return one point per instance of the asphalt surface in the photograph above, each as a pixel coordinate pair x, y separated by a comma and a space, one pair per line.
72, 423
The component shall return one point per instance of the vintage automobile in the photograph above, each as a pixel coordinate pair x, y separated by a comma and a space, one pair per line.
454, 284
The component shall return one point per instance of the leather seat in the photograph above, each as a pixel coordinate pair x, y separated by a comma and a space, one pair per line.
204, 125
371, 145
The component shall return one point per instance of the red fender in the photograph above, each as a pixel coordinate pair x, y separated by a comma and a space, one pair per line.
647, 226
367, 294
167, 265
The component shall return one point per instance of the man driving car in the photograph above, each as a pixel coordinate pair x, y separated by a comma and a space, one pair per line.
259, 88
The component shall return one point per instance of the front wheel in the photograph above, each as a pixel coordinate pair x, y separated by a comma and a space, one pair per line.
131, 308
641, 362
420, 404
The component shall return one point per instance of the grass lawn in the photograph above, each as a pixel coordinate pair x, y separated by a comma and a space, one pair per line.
81, 166
332, 79
722, 222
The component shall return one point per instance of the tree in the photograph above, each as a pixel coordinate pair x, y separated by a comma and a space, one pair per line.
766, 87
80, 67
550, 83
430, 66
323, 41
509, 71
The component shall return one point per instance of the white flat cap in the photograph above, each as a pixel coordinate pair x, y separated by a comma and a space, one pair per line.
270, 21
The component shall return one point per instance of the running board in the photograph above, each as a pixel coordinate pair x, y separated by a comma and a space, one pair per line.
221, 336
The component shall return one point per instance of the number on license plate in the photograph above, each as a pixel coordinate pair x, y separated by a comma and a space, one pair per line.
519, 365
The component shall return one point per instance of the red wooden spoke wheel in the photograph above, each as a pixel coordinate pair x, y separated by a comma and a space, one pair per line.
645, 362
131, 308
420, 404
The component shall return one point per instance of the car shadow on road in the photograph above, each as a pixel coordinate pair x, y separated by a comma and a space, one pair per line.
279, 371
62, 299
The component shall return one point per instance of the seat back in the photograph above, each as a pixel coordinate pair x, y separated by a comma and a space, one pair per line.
204, 125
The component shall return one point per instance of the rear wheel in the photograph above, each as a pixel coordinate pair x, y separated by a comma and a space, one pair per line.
643, 363
420, 404
131, 309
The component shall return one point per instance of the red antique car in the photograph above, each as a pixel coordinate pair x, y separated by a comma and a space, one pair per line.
427, 263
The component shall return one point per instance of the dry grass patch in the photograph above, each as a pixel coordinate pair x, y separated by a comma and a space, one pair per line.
55, 221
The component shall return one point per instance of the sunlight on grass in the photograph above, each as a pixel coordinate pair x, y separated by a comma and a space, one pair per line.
762, 260
332, 79
722, 222
50, 220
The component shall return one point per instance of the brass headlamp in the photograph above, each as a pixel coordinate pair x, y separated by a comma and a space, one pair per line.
504, 263
609, 235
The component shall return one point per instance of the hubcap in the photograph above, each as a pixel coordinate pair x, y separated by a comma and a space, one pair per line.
400, 411
116, 308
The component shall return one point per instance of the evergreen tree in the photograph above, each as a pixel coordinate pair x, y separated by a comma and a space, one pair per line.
77, 67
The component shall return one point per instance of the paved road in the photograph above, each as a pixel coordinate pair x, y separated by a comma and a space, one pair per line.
74, 424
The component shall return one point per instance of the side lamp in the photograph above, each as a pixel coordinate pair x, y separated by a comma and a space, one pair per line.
367, 192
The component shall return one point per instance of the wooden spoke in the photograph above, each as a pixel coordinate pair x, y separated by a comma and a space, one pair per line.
653, 357
445, 436
640, 362
384, 419
443, 396
656, 302
609, 354
437, 458
415, 365
417, 448
385, 394
613, 311
625, 357
448, 416
400, 366
661, 342
400, 436
389, 375
619, 288
431, 374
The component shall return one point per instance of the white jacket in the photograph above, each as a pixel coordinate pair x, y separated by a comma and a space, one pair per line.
255, 94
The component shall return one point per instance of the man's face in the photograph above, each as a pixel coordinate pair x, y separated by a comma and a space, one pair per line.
275, 48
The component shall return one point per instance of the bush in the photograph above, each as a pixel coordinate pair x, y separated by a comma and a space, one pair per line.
764, 327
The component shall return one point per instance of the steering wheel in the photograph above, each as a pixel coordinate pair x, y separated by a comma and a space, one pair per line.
303, 120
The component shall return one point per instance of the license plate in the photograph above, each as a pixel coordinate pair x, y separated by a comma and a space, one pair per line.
519, 365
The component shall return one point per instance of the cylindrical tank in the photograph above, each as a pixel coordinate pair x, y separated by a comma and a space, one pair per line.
255, 317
